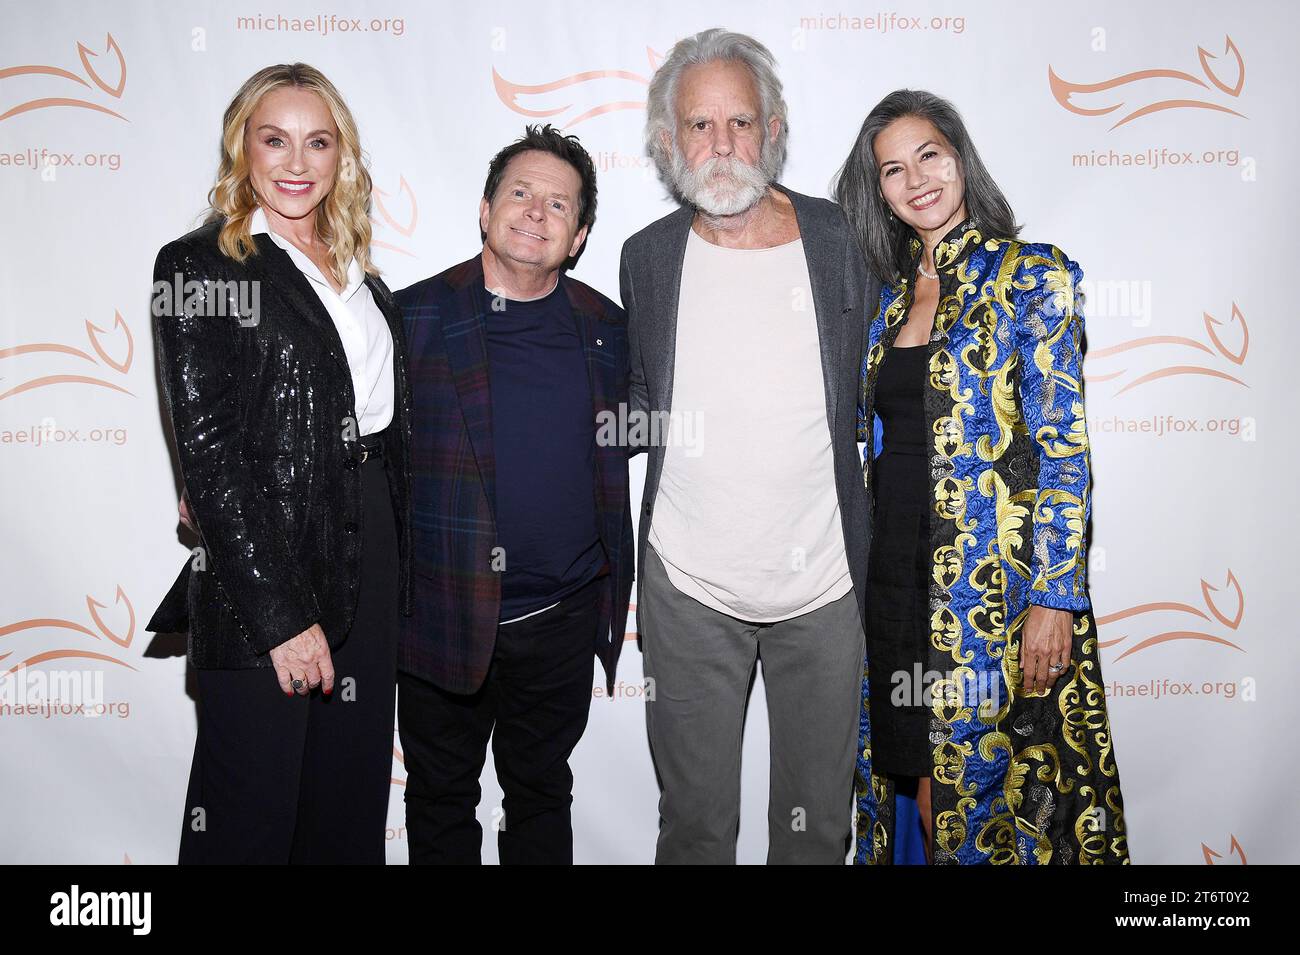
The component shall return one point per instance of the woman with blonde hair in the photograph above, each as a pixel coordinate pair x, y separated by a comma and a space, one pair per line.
281, 357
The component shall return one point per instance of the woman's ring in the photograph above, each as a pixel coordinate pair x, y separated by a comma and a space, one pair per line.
296, 684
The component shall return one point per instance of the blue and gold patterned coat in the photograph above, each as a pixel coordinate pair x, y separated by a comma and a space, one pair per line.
1017, 778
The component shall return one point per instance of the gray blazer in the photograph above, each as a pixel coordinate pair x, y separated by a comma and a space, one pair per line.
845, 295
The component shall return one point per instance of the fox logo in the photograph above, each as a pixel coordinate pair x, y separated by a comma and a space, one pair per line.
1139, 87
115, 63
1233, 327
1231, 620
124, 346
579, 97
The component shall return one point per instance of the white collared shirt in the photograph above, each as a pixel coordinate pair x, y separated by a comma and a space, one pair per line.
367, 341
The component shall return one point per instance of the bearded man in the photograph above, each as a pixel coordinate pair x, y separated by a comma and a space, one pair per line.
747, 317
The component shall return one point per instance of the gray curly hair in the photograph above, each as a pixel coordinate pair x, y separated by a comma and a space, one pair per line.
707, 47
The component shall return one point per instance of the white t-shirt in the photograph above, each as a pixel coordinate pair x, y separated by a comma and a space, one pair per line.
747, 518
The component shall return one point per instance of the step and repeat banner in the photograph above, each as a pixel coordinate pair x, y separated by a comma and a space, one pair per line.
1151, 142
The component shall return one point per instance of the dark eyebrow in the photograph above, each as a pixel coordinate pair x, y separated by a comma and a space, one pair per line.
554, 195
898, 162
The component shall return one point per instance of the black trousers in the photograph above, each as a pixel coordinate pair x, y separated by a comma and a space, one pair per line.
279, 779
534, 705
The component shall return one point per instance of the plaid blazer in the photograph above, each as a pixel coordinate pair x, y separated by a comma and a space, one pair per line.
456, 603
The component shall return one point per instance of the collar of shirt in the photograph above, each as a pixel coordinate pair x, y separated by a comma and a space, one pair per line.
356, 277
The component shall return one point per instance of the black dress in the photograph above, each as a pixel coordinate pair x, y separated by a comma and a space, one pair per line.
898, 572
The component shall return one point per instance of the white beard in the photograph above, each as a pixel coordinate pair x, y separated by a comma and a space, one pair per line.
721, 186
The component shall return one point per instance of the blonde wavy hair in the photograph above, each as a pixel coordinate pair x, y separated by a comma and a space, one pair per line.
342, 219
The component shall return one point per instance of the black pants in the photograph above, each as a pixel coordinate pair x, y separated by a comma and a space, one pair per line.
279, 779
534, 706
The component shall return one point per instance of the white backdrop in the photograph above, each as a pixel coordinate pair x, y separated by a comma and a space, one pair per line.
1148, 141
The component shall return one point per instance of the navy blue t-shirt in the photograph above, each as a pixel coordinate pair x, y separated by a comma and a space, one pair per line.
544, 438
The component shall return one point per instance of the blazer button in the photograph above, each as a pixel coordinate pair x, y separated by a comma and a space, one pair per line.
350, 464
350, 527
646, 510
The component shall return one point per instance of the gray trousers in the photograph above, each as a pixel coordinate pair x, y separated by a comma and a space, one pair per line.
702, 666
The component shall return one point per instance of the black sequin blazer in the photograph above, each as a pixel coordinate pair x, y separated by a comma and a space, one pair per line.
261, 402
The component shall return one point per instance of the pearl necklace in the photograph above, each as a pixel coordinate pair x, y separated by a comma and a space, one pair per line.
921, 268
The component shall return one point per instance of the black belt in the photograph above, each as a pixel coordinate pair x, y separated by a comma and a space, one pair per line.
372, 446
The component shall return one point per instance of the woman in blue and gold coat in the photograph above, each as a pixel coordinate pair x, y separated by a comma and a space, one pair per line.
982, 694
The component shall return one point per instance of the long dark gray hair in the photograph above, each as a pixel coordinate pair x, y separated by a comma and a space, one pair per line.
884, 238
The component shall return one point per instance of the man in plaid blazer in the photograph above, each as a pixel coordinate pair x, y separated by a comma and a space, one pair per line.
522, 533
